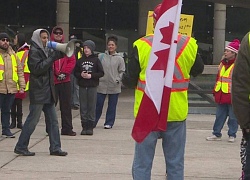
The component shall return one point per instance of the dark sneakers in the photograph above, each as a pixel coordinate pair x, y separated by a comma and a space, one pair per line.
7, 134
72, 133
59, 153
24, 152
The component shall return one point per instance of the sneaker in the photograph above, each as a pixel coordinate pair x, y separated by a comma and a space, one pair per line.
213, 138
231, 139
107, 127
8, 134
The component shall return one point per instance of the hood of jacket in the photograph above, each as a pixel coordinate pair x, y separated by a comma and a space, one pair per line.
37, 40
52, 37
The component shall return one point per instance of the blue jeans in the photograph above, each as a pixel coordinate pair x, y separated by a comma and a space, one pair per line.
111, 110
6, 101
173, 144
31, 122
222, 111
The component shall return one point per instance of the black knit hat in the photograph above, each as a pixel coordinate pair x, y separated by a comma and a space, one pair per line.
90, 44
4, 35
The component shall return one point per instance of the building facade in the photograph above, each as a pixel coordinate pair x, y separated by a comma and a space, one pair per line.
96, 19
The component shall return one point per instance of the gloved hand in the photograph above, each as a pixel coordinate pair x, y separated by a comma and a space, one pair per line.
61, 77
57, 55
246, 134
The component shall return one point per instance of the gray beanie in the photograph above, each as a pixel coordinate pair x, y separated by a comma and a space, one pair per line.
4, 35
90, 44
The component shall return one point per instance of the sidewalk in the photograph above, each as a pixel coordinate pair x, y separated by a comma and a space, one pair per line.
108, 154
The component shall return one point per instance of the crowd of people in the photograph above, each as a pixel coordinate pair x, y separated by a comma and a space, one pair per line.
83, 80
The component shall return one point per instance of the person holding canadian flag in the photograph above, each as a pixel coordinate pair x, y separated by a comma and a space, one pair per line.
160, 67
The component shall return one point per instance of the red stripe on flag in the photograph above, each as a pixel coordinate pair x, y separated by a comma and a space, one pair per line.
146, 119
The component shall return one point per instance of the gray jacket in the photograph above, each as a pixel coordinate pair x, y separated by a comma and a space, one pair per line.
114, 67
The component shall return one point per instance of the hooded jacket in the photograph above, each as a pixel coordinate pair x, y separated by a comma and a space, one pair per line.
64, 65
40, 61
94, 67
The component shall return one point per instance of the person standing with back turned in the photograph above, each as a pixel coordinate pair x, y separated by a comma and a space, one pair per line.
241, 95
41, 94
174, 138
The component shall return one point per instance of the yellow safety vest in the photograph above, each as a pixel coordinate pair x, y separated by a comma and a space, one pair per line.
186, 49
23, 56
225, 79
79, 54
14, 68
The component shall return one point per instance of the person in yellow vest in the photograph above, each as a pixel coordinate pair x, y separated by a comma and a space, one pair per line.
11, 80
222, 95
16, 109
241, 99
174, 138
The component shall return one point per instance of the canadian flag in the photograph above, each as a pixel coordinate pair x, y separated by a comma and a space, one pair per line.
153, 111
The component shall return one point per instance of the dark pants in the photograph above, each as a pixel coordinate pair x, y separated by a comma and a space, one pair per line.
111, 110
17, 109
63, 94
31, 122
6, 101
87, 96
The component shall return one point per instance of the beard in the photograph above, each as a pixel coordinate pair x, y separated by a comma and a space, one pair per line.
4, 47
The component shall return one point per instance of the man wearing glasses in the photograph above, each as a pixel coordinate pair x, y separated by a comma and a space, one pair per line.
11, 80
62, 69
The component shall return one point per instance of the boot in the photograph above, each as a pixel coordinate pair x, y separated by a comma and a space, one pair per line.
13, 121
19, 121
84, 128
89, 128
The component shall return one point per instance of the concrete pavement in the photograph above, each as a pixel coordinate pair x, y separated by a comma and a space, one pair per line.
108, 154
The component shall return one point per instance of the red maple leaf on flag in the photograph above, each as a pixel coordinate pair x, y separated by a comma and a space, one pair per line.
153, 111
161, 62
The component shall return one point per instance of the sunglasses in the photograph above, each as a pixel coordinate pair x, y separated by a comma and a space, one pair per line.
5, 39
58, 33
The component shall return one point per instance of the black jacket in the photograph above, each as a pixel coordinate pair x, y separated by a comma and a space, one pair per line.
93, 66
41, 90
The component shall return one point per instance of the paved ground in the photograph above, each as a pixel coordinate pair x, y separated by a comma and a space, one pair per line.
108, 154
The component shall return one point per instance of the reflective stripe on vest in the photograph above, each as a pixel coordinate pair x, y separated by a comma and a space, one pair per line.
179, 82
225, 79
23, 56
185, 58
14, 68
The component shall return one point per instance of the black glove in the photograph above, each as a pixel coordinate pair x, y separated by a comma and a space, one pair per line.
57, 55
61, 77
246, 134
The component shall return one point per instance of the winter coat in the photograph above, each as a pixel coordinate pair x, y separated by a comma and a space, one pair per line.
93, 66
64, 65
241, 84
40, 61
8, 85
114, 67
220, 97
